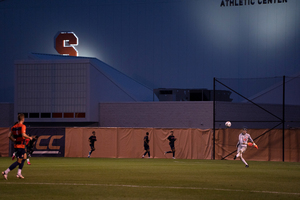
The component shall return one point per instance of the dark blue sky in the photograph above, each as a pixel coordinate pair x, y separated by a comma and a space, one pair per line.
160, 43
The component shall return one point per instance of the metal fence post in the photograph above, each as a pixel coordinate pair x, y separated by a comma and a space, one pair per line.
283, 116
214, 119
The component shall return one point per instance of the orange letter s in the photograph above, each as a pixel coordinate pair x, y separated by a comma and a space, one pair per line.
65, 42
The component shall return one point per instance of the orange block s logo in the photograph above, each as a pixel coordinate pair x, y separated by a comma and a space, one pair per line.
65, 42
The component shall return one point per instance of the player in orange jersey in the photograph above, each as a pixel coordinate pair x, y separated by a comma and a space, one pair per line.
18, 136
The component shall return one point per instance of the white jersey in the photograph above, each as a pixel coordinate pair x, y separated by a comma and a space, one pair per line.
243, 140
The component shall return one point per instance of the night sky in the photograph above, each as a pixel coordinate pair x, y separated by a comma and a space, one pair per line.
160, 43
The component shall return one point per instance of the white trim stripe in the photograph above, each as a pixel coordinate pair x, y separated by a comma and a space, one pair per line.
159, 187
45, 152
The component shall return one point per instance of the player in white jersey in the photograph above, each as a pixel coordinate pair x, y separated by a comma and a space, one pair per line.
242, 145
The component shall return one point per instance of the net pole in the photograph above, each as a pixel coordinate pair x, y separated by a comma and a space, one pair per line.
214, 118
283, 116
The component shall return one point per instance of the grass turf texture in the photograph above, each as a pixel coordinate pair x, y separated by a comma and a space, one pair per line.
100, 178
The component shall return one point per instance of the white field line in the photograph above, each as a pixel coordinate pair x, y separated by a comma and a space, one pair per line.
153, 187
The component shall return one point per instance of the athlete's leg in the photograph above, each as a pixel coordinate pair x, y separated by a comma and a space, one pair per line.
19, 174
244, 161
20, 154
173, 151
90, 152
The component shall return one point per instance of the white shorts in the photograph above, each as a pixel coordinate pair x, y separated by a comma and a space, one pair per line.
241, 149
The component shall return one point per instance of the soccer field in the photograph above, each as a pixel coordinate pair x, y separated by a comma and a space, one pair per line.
104, 178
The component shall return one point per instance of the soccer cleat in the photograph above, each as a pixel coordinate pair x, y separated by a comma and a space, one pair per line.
19, 176
247, 166
234, 157
4, 175
28, 163
143, 156
13, 157
173, 157
89, 156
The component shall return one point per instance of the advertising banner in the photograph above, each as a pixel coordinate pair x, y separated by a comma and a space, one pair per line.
50, 142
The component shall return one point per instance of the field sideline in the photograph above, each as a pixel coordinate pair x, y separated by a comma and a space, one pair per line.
105, 178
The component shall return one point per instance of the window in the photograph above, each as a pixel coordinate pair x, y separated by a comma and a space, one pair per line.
56, 115
34, 115
25, 115
68, 115
79, 115
45, 115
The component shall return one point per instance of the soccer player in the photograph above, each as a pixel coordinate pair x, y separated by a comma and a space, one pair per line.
14, 154
146, 145
172, 140
29, 147
26, 150
242, 145
18, 135
92, 141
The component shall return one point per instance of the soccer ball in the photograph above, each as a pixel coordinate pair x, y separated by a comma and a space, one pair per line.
228, 124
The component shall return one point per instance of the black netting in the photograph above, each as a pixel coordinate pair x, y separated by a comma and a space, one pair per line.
255, 102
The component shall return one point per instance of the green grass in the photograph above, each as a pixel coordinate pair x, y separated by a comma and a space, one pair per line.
99, 178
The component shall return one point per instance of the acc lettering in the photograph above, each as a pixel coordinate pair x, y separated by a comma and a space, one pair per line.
37, 146
50, 145
54, 137
65, 42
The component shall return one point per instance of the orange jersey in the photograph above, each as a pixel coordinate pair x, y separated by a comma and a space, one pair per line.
17, 131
